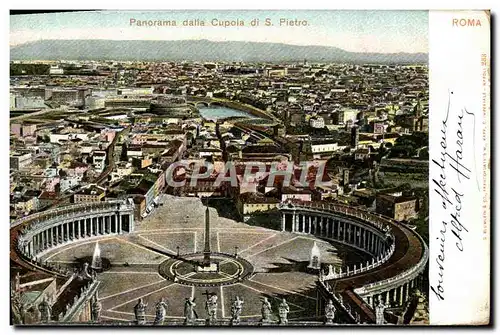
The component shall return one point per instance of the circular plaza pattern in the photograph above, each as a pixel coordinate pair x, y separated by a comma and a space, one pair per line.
185, 269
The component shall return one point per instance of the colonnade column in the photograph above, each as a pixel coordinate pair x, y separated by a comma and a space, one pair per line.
364, 239
356, 233
368, 234
349, 231
49, 237
76, 229
119, 224
131, 223
368, 241
401, 295
372, 243
283, 220
42, 241
361, 240
34, 244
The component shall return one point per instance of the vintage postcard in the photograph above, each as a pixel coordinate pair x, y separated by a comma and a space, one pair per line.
249, 168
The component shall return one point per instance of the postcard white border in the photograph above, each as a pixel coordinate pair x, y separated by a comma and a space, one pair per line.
459, 74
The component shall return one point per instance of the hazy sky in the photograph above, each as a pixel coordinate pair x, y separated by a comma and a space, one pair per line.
359, 31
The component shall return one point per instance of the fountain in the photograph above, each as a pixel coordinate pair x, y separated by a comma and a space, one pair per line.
96, 258
315, 259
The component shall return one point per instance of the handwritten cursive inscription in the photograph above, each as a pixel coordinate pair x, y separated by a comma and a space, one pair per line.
452, 162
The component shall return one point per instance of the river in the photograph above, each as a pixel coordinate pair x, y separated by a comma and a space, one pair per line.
222, 112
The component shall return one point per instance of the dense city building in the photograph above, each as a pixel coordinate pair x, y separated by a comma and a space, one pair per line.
122, 152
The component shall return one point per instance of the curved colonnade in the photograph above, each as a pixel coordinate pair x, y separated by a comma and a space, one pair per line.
398, 255
39, 233
373, 238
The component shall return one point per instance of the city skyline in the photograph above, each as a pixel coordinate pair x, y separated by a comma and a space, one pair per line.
354, 31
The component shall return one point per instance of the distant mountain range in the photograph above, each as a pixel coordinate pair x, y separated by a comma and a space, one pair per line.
200, 50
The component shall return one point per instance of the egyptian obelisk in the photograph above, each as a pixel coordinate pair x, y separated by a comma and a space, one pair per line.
206, 251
